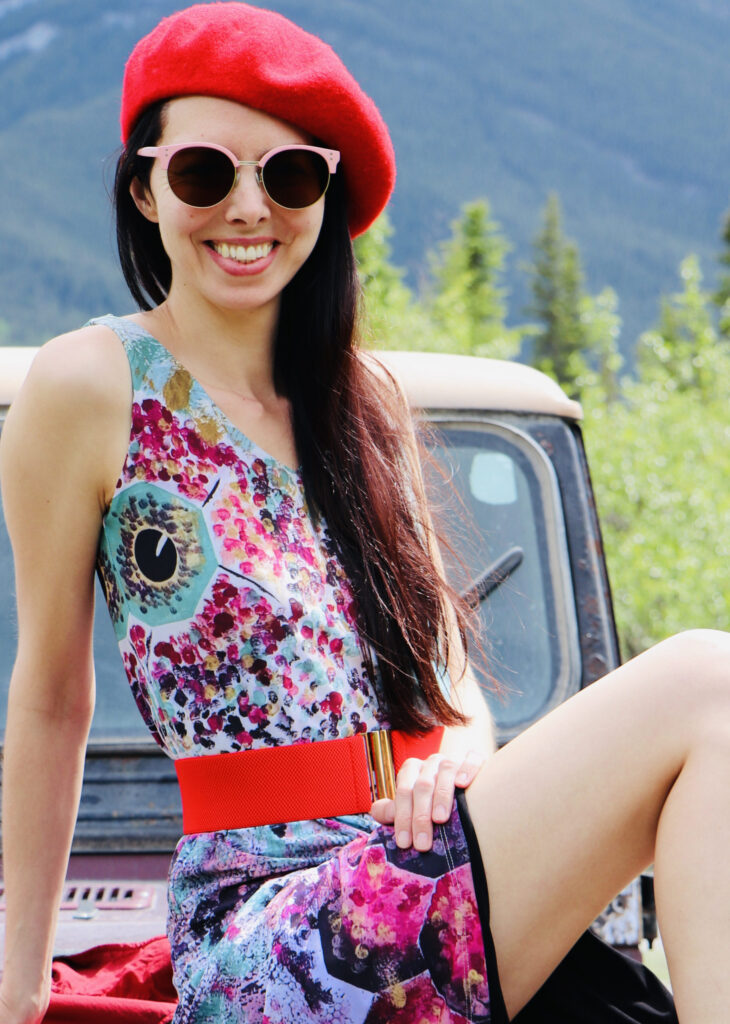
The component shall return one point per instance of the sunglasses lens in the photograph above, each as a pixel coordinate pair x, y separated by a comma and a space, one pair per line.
200, 176
296, 178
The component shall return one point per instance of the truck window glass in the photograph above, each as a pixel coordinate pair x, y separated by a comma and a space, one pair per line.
507, 501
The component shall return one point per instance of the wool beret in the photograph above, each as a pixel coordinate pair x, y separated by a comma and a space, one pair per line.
260, 58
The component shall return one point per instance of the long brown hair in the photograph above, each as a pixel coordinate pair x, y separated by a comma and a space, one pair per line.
354, 439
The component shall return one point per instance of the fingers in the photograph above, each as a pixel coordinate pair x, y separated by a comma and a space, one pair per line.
383, 811
443, 791
469, 768
414, 793
424, 796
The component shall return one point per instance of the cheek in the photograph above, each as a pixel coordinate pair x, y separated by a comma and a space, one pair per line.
309, 227
177, 220
172, 215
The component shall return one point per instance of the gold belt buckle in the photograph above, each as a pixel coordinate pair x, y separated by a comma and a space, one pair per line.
381, 768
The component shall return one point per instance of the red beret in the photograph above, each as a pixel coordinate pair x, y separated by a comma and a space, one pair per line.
259, 58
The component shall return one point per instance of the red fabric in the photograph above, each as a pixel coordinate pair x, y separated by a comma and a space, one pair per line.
405, 746
273, 784
125, 983
269, 785
257, 57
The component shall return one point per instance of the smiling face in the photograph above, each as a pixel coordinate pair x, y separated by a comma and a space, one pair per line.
240, 254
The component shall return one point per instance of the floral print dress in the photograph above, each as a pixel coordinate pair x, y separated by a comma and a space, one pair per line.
235, 623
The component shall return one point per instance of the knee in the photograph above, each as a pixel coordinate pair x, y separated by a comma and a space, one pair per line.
702, 649
700, 672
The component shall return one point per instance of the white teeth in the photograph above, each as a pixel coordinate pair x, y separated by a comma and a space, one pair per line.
243, 253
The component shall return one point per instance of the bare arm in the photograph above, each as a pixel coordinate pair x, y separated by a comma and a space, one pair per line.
478, 735
61, 439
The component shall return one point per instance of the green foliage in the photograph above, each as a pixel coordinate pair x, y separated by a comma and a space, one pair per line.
722, 295
556, 282
602, 327
682, 350
659, 444
660, 459
463, 308
468, 301
385, 298
392, 317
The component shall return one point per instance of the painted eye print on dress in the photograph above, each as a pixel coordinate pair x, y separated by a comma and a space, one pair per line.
162, 555
156, 555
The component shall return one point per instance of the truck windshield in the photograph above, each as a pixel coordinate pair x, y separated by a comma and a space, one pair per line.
504, 502
504, 512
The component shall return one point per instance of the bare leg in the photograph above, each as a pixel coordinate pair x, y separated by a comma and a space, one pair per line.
635, 768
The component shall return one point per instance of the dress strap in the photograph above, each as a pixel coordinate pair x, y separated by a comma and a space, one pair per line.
145, 353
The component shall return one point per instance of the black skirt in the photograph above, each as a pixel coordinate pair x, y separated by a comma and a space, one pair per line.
594, 984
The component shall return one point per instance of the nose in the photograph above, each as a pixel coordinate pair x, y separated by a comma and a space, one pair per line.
247, 200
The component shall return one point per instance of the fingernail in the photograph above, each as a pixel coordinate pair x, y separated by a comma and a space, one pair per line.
440, 812
461, 778
404, 839
422, 839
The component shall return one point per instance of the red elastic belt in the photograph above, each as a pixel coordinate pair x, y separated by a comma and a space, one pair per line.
271, 785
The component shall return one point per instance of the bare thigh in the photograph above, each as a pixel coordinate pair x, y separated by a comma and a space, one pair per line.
567, 813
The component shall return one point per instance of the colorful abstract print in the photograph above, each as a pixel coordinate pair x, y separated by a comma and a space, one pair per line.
236, 625
234, 617
372, 934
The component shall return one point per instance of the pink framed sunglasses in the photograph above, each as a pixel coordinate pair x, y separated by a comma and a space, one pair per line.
203, 174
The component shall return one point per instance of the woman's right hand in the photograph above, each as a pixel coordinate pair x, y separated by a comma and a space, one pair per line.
17, 1007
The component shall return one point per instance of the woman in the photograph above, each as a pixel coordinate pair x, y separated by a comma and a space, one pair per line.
269, 567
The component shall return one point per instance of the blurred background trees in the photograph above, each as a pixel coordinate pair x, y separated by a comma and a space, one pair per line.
722, 295
658, 438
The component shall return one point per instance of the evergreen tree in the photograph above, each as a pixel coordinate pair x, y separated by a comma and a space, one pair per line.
557, 291
385, 296
393, 318
467, 300
722, 295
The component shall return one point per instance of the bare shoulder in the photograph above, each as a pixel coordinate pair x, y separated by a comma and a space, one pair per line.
83, 370
73, 409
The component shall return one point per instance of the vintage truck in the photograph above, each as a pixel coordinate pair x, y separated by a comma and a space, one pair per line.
524, 541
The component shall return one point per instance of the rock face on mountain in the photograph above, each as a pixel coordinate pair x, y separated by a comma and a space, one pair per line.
619, 107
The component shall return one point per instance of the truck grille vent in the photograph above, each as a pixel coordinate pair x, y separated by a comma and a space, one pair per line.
100, 897
106, 897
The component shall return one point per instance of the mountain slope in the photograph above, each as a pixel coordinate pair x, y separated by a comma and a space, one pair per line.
618, 105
